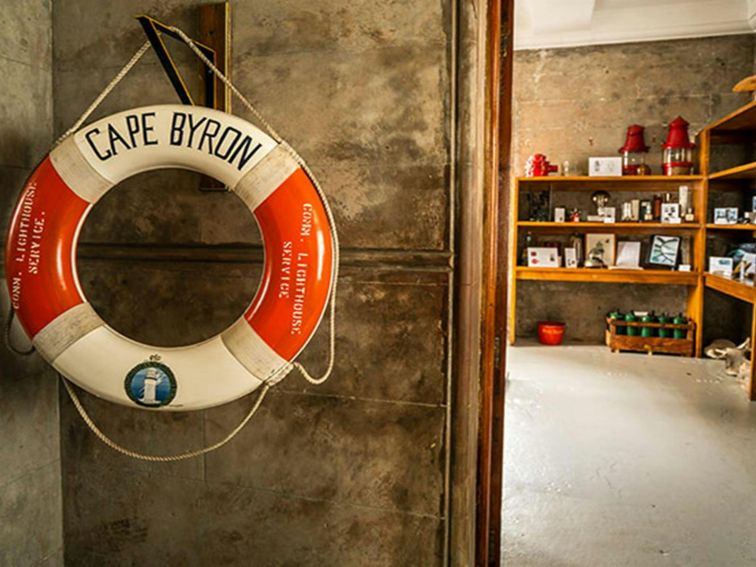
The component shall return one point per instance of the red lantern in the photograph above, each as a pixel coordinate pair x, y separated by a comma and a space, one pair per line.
634, 152
538, 166
678, 149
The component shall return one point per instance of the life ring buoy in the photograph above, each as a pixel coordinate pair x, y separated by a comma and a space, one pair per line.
40, 258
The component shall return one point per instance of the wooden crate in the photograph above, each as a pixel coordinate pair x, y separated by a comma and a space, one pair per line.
651, 345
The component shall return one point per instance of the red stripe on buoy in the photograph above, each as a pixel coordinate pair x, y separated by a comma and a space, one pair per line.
298, 264
39, 252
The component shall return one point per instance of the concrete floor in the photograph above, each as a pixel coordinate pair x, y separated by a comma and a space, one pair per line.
626, 460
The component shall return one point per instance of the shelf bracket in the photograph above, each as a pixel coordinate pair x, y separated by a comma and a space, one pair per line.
215, 44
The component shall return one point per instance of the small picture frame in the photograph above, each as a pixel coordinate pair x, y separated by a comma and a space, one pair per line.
747, 266
600, 247
570, 258
664, 251
721, 266
609, 214
670, 213
543, 257
628, 254
726, 215
753, 204
605, 166
560, 214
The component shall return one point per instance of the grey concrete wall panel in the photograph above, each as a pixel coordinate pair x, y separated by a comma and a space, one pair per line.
352, 472
367, 453
27, 32
169, 304
166, 207
29, 416
369, 110
25, 114
31, 525
197, 524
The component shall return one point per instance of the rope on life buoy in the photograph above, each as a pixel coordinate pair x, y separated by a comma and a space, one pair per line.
332, 307
160, 458
9, 339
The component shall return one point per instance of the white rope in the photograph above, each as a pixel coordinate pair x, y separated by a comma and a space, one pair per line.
105, 92
332, 296
161, 458
9, 337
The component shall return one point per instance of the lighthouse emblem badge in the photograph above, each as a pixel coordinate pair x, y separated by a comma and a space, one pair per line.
151, 383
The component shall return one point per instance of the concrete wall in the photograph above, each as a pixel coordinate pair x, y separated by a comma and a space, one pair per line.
30, 481
574, 103
352, 472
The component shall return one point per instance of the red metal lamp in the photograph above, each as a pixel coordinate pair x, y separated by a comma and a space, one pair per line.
634, 152
538, 166
678, 149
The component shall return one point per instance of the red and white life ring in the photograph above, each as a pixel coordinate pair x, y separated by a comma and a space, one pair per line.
40, 258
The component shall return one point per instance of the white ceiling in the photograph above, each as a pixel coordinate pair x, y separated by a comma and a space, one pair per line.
569, 23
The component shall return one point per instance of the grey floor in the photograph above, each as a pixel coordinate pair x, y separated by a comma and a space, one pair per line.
623, 459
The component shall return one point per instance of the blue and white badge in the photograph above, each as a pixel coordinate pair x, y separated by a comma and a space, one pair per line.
151, 384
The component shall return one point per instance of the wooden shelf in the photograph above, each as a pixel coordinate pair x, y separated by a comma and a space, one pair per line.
733, 288
610, 226
737, 128
606, 276
746, 171
744, 118
629, 179
749, 227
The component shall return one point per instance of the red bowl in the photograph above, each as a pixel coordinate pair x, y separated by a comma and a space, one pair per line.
550, 333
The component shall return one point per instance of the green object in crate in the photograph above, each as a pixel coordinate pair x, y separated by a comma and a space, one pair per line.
648, 331
680, 333
616, 315
664, 333
630, 318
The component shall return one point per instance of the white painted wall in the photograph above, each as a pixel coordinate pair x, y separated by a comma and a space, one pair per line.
570, 23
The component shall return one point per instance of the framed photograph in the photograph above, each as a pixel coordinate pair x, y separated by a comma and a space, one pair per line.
541, 257
726, 215
600, 248
670, 213
749, 264
628, 255
605, 166
664, 251
721, 266
560, 213
609, 214
753, 204
570, 258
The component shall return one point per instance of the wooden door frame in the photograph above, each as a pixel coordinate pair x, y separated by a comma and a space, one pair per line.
499, 55
481, 116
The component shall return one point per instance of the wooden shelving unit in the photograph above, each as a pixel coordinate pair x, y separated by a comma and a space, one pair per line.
606, 276
739, 127
610, 226
747, 171
739, 290
651, 183
712, 226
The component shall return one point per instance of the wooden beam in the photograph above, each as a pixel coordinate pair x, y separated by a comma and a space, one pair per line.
215, 31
